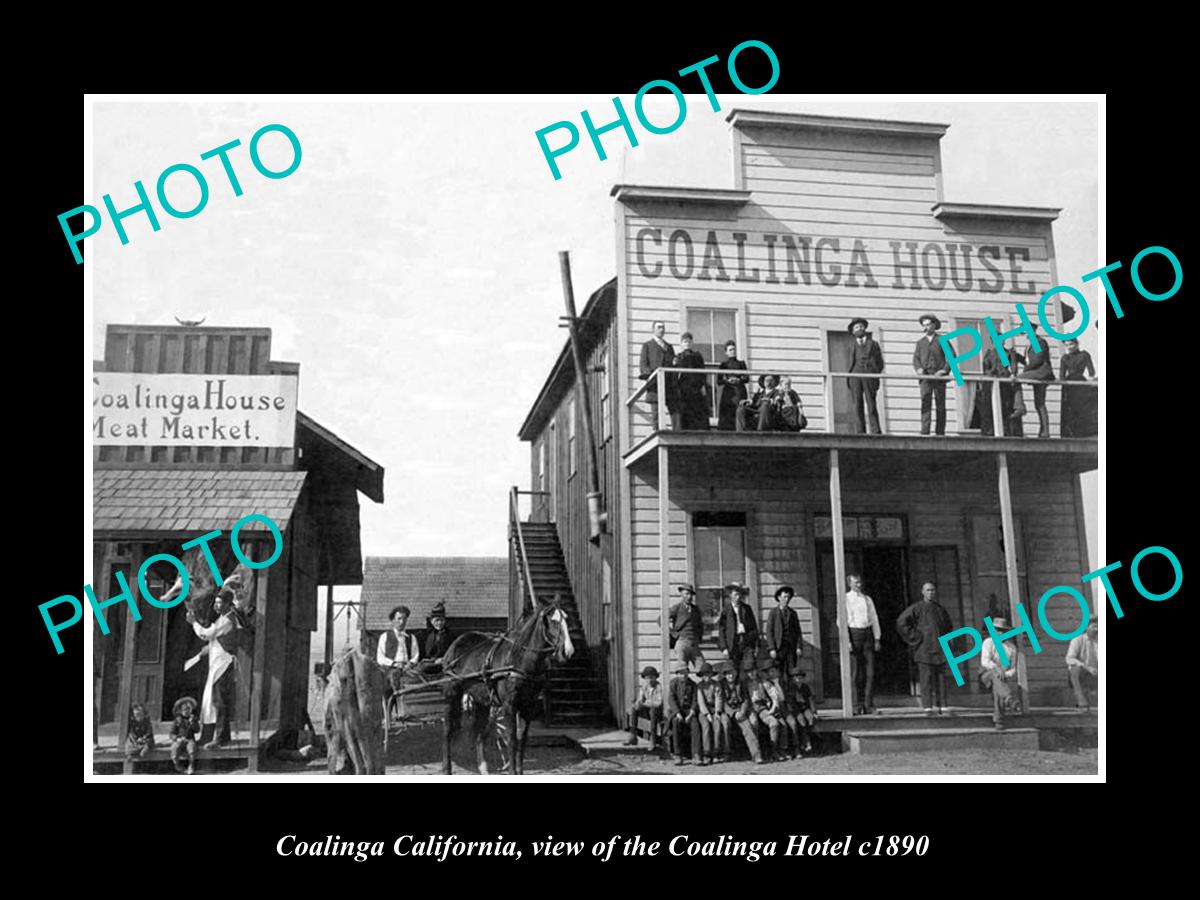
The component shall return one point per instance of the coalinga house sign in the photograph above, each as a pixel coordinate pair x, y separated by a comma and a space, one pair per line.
135, 408
684, 254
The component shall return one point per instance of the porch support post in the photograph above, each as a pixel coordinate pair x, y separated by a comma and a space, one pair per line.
664, 542
125, 688
839, 592
258, 664
1010, 561
329, 624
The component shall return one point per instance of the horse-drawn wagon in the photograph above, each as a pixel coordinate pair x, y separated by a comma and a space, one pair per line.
491, 675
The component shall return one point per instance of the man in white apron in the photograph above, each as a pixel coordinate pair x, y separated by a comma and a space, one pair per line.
216, 707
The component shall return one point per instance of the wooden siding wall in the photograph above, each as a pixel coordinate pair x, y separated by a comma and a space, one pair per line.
216, 351
583, 558
853, 188
780, 504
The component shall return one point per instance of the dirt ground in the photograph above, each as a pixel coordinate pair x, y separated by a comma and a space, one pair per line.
417, 751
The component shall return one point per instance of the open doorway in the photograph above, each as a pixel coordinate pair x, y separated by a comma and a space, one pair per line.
884, 571
839, 345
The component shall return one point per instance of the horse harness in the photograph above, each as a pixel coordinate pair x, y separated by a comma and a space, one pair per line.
492, 678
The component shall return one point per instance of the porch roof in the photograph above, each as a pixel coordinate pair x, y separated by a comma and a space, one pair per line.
128, 502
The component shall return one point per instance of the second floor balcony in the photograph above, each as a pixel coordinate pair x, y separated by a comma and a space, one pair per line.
766, 409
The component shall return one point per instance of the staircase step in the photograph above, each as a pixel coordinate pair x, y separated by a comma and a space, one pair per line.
918, 740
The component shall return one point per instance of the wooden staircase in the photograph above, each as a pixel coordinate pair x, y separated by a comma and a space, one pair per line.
574, 697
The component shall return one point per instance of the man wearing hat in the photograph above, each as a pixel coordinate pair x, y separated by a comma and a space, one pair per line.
220, 689
737, 629
929, 359
687, 627
865, 356
735, 699
682, 713
782, 634
649, 701
1039, 368
437, 635
754, 414
1002, 679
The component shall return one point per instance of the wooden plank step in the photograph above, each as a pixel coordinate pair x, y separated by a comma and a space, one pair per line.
919, 740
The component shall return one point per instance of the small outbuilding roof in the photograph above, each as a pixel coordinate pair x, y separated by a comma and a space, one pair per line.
472, 587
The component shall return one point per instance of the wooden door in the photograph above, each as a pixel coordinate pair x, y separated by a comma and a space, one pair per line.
840, 345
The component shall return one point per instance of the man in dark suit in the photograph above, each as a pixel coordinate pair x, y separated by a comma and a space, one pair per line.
656, 353
687, 628
865, 356
1039, 368
920, 625
782, 634
929, 359
737, 630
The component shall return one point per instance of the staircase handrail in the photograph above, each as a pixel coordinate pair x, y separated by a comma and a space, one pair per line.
515, 520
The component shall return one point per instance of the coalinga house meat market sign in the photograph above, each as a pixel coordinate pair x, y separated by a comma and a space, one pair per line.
685, 254
133, 408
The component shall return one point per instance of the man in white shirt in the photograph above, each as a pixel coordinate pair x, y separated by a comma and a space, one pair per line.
397, 651
1006, 693
863, 626
1083, 664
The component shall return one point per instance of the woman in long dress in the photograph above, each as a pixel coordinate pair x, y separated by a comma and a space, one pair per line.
733, 388
1078, 403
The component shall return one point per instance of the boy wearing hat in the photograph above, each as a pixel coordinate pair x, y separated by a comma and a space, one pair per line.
802, 708
930, 359
682, 714
865, 356
735, 699
782, 634
649, 700
183, 734
711, 706
770, 704
687, 627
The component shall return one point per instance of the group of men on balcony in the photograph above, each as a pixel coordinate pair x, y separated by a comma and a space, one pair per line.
775, 406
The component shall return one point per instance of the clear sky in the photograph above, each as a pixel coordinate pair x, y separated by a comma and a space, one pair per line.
410, 263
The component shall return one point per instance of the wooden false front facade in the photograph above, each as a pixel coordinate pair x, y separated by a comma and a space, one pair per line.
827, 219
150, 499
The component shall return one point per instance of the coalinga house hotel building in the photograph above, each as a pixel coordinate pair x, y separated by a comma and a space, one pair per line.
827, 219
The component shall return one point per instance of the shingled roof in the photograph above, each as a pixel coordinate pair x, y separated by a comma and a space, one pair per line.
188, 500
474, 587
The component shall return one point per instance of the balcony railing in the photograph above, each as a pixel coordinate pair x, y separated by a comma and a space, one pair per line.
899, 407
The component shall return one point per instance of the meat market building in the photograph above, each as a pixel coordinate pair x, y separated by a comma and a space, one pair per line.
193, 429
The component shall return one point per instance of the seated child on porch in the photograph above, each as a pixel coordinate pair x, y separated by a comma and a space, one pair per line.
800, 701
140, 740
786, 410
649, 700
183, 734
